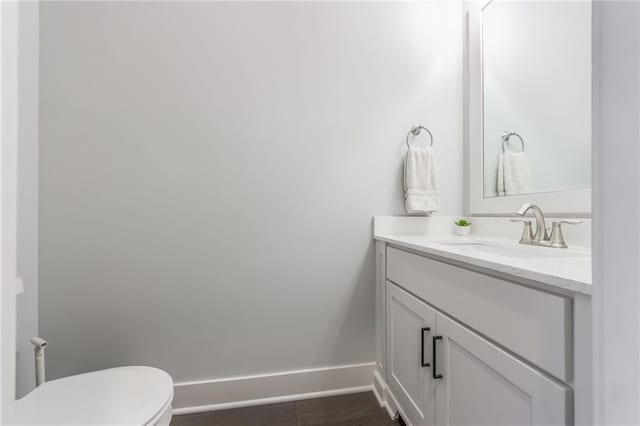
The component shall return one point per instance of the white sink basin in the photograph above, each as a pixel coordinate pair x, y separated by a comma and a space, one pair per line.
516, 250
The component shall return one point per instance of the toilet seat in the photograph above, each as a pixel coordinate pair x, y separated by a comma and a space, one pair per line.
134, 395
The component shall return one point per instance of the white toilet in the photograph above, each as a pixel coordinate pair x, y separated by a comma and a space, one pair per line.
132, 395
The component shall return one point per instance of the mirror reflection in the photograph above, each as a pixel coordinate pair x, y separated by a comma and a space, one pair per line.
536, 97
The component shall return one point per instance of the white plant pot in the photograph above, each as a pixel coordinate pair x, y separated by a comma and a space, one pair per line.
463, 230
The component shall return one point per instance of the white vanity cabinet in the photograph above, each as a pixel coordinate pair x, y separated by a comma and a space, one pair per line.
460, 347
481, 384
410, 327
445, 374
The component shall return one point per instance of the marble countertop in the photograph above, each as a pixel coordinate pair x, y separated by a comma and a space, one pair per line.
568, 269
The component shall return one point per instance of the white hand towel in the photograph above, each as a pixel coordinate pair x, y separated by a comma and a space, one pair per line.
514, 174
421, 181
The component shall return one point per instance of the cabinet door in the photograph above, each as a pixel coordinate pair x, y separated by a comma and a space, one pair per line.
483, 385
410, 326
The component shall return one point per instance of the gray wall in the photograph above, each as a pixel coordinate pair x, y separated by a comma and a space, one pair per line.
616, 210
27, 219
209, 171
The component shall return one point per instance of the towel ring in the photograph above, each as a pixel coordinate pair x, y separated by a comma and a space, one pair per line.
415, 131
507, 135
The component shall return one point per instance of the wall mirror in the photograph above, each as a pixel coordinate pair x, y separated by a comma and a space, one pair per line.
529, 106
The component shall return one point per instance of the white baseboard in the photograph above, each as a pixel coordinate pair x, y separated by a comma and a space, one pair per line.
221, 394
381, 391
387, 400
378, 394
394, 407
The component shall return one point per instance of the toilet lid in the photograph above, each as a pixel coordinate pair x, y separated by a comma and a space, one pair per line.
116, 396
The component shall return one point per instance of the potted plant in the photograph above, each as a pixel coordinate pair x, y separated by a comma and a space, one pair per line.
463, 227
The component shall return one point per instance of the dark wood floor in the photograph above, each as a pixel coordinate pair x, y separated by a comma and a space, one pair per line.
359, 409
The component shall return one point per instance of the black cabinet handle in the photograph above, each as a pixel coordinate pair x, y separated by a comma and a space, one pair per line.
435, 375
424, 364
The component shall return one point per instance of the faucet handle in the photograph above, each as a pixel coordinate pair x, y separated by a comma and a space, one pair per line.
527, 231
569, 221
557, 239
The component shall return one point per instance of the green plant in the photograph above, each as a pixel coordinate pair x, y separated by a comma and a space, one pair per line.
463, 222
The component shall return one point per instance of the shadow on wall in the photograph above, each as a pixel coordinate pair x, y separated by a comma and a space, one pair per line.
356, 304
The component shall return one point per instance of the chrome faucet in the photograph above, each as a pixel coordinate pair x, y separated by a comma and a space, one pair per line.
541, 236
541, 226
